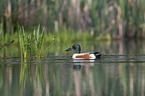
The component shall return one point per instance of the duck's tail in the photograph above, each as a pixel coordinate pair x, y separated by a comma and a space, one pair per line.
97, 54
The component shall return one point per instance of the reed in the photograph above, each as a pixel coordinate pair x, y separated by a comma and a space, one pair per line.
25, 44
38, 38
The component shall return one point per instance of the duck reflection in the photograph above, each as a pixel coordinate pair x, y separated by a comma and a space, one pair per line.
77, 64
77, 67
80, 66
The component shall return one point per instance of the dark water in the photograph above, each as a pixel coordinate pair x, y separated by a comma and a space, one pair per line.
120, 72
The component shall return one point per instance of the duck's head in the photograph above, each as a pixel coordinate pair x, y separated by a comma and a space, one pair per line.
76, 47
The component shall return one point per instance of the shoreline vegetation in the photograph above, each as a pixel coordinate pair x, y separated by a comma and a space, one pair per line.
91, 19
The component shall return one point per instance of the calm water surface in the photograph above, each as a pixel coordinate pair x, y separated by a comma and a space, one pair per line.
120, 72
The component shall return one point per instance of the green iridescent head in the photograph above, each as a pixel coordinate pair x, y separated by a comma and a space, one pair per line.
76, 47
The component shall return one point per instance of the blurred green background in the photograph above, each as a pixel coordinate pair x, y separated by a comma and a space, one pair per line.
101, 19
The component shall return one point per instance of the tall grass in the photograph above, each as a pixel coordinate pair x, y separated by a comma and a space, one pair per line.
38, 38
119, 18
26, 42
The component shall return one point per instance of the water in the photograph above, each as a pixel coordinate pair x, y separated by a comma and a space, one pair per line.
120, 72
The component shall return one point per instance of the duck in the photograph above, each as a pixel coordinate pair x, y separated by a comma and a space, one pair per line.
79, 55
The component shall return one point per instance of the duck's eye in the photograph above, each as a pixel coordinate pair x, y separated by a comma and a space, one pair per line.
74, 47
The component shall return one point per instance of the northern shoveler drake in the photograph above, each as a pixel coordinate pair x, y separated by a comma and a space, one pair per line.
79, 55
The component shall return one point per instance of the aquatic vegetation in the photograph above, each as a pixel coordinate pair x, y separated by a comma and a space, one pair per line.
24, 43
38, 38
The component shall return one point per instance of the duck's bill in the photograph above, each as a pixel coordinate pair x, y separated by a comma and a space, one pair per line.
69, 49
